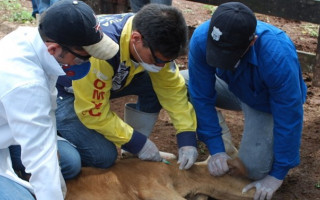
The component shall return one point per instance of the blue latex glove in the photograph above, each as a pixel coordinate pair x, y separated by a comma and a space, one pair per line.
149, 152
217, 164
187, 156
265, 188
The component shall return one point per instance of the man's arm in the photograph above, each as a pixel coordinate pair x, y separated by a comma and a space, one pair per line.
287, 110
202, 91
92, 103
92, 106
31, 119
283, 77
171, 91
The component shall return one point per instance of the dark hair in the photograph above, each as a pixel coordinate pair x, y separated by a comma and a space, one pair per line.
163, 28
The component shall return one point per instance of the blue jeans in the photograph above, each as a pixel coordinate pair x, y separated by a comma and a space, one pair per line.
69, 160
136, 5
39, 6
10, 190
95, 150
256, 147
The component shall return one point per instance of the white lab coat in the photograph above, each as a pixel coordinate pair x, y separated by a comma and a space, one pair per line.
28, 75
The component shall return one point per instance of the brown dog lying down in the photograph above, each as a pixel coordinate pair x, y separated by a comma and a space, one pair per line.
132, 179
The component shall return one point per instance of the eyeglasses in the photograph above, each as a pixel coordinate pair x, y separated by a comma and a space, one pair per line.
79, 59
155, 58
158, 60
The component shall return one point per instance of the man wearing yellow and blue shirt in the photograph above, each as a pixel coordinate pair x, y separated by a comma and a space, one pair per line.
149, 42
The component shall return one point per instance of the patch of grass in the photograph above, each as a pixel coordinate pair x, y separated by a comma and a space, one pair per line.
311, 29
188, 10
211, 8
15, 12
317, 185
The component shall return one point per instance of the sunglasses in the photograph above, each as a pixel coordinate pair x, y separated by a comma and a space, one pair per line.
79, 59
158, 60
155, 58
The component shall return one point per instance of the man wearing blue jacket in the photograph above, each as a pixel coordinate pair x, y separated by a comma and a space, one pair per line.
239, 63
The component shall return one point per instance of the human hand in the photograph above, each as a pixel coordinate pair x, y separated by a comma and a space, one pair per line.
265, 187
217, 164
149, 152
187, 156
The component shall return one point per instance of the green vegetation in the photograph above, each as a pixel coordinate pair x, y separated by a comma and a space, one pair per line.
210, 7
15, 12
317, 185
187, 10
311, 29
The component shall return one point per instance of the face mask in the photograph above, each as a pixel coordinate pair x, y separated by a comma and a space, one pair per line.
75, 72
146, 66
150, 67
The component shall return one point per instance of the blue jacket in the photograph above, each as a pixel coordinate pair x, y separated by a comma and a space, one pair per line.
267, 79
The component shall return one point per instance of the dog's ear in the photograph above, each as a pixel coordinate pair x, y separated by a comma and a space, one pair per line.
237, 168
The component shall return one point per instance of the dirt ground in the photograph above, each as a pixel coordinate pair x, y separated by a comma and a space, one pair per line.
302, 182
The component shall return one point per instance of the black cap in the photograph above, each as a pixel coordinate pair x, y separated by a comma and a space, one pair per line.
74, 23
231, 30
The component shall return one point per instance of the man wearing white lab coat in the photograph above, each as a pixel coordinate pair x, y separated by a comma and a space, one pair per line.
30, 63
